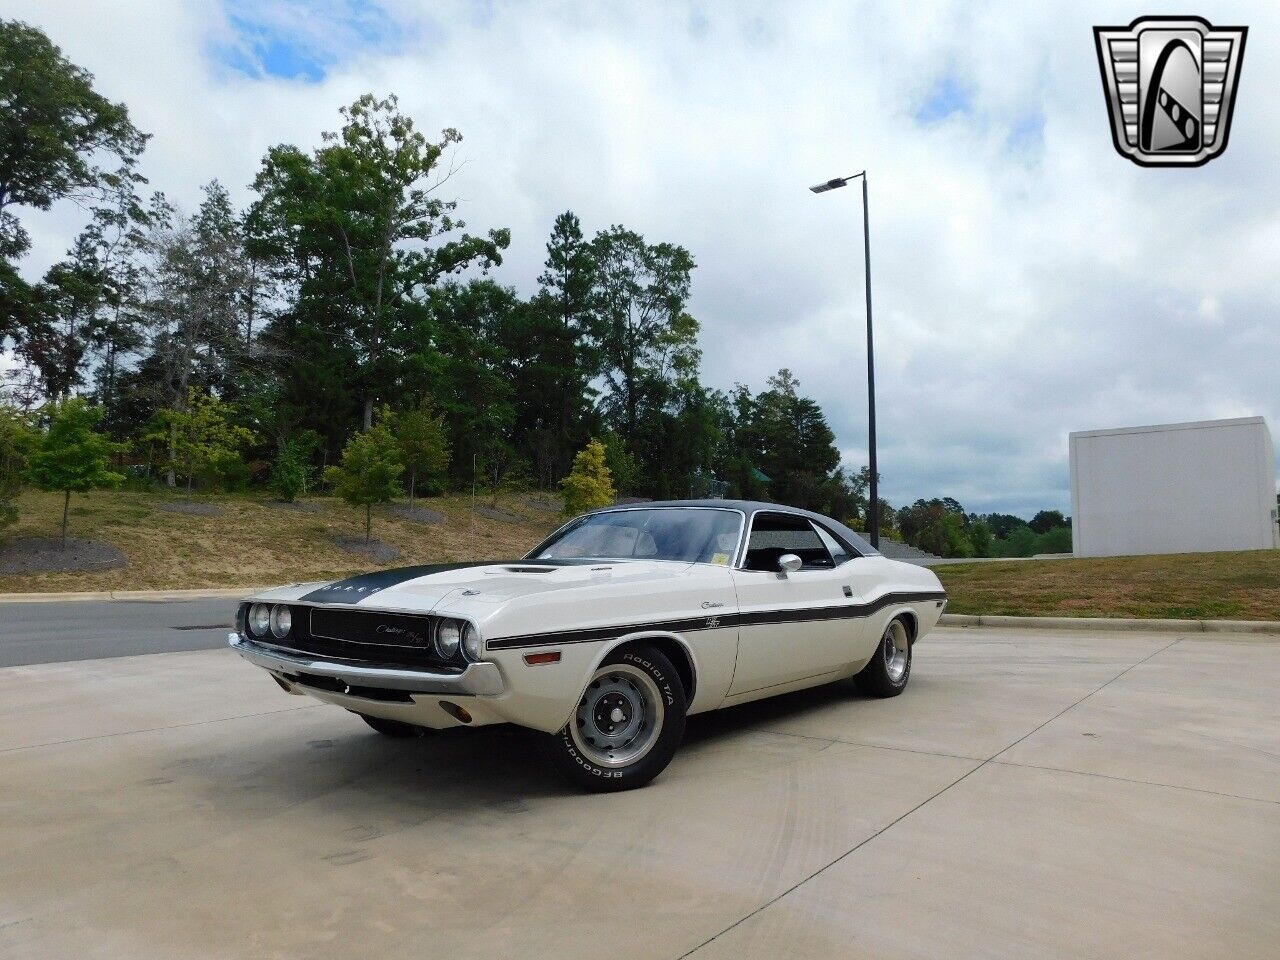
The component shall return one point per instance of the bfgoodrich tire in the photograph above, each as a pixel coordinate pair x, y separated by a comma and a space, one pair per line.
627, 726
393, 728
890, 667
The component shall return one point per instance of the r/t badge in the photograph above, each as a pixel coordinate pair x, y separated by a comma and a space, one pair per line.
1170, 84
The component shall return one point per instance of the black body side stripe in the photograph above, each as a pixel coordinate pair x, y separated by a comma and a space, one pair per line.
848, 611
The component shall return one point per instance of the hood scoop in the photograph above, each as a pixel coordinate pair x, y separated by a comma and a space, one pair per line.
526, 570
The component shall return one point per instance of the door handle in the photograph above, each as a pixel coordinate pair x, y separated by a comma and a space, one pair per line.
848, 590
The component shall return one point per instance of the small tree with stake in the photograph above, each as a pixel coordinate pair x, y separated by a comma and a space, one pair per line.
424, 444
369, 472
70, 456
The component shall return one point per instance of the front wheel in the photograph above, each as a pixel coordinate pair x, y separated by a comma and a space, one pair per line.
627, 725
890, 667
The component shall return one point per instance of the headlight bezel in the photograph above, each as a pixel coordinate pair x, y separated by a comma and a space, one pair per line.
445, 649
472, 643
279, 612
251, 618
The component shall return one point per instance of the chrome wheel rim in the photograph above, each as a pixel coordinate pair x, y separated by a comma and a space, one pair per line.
619, 717
896, 649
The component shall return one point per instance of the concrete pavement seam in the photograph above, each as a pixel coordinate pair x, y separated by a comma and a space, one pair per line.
1145, 783
870, 746
861, 843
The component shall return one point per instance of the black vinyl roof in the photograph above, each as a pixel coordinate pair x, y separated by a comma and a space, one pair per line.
751, 507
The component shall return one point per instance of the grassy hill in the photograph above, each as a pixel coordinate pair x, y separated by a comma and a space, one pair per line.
251, 542
1196, 586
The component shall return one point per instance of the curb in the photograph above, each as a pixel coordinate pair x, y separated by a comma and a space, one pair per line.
197, 594
1110, 623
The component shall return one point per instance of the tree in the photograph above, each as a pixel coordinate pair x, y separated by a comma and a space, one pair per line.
54, 129
290, 472
14, 439
358, 224
1002, 524
423, 440
588, 485
570, 348
937, 526
792, 443
624, 472
369, 472
200, 435
981, 537
70, 456
645, 333
1046, 520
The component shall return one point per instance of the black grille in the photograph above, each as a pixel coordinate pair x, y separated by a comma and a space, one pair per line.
364, 637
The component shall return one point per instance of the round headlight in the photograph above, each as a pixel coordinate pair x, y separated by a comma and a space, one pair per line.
472, 643
259, 619
448, 637
281, 621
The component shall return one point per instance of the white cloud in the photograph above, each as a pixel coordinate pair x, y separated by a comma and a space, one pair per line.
1027, 280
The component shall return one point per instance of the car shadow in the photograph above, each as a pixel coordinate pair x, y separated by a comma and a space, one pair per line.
498, 767
729, 721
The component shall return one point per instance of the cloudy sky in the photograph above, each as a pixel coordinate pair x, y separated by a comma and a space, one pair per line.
1028, 281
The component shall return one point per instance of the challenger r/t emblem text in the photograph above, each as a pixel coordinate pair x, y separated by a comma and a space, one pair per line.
1170, 84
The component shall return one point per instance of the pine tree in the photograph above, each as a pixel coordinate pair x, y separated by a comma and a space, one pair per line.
589, 485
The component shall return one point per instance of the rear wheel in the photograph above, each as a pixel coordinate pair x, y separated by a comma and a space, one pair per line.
393, 728
890, 668
627, 725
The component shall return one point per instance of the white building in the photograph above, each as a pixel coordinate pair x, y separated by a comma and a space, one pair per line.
1174, 488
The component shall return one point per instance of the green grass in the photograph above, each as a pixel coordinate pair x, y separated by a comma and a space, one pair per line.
1193, 586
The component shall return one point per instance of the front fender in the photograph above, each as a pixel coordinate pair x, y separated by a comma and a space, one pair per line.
544, 696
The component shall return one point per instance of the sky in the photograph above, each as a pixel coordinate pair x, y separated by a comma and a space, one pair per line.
1027, 280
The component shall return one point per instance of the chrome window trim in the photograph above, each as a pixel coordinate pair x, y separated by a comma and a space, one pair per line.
742, 523
783, 511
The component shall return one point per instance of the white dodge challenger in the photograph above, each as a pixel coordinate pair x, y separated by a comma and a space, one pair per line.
606, 635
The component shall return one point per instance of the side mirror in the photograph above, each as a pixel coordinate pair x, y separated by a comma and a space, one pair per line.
789, 563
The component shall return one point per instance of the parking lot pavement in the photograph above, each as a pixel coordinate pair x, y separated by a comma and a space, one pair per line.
1033, 794
51, 631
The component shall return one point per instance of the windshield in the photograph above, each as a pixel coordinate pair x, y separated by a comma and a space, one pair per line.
687, 534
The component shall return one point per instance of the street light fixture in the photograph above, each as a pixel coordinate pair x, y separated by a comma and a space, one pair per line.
873, 505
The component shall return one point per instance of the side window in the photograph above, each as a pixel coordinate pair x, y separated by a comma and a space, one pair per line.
773, 534
839, 553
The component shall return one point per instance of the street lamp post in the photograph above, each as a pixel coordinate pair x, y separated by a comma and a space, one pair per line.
873, 505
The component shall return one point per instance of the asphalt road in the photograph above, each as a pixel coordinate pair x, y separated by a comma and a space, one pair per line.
57, 631
1032, 795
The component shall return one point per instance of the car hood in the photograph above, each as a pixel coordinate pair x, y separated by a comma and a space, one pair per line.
422, 589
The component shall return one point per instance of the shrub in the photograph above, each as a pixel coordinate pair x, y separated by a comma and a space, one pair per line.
290, 472
589, 485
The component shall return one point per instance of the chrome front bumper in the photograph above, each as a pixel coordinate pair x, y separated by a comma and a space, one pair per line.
478, 679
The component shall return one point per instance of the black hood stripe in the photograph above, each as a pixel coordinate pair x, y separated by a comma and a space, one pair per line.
849, 611
354, 589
